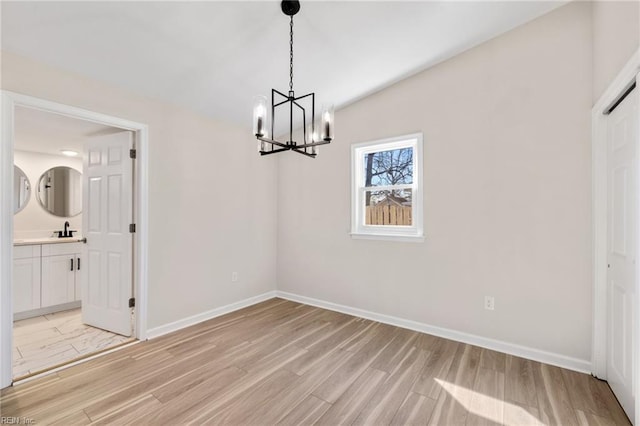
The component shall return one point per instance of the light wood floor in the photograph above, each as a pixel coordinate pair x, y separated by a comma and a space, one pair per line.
281, 362
49, 340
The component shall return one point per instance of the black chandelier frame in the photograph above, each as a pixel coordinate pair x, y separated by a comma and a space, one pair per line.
292, 145
290, 8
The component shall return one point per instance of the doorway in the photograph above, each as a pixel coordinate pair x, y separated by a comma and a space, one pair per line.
53, 323
75, 272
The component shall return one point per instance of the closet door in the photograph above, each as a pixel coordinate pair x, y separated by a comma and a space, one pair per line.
622, 253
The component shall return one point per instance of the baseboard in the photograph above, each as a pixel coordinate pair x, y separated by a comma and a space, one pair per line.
580, 365
47, 310
204, 316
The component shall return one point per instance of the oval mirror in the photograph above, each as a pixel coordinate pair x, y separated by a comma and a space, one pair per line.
21, 189
60, 191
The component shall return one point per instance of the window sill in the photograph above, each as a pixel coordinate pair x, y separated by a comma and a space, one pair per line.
388, 237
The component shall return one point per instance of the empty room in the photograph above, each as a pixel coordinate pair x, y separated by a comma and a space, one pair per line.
320, 212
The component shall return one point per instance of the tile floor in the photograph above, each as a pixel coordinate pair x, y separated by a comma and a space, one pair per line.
49, 340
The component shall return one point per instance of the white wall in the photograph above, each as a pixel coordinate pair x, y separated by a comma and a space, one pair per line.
34, 221
507, 195
212, 199
616, 37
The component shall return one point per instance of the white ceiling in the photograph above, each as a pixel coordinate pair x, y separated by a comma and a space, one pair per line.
214, 57
48, 133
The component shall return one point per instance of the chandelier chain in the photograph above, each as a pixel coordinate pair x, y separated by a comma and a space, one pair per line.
291, 55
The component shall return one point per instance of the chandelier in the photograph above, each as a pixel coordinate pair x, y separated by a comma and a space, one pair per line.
294, 106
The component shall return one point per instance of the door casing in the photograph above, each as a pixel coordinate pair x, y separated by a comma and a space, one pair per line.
629, 74
8, 102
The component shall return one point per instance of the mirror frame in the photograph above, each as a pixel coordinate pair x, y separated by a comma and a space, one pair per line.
39, 185
30, 189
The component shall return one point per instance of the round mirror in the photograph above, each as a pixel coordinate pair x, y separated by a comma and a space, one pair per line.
21, 189
60, 191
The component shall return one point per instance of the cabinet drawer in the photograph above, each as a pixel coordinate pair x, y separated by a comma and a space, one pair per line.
25, 252
60, 249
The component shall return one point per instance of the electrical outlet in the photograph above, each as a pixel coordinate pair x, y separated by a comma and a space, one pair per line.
489, 303
234, 277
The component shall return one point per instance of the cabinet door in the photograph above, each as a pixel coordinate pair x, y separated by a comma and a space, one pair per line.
78, 277
58, 280
26, 284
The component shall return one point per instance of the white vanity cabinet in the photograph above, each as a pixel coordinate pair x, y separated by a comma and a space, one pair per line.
46, 278
61, 265
26, 278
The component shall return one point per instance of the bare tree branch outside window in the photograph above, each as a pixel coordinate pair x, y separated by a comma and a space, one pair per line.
386, 168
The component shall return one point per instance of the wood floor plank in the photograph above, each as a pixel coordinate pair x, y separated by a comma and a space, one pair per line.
358, 342
383, 404
263, 369
76, 419
520, 385
162, 378
589, 419
348, 406
337, 383
487, 401
442, 353
453, 403
339, 337
553, 398
516, 414
195, 398
136, 412
493, 360
400, 344
331, 329
415, 410
587, 394
307, 361
52, 404
308, 412
301, 388
259, 397
617, 413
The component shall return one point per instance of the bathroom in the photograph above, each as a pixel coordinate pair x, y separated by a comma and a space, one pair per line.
53, 323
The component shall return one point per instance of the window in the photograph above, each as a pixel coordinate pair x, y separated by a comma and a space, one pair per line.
386, 189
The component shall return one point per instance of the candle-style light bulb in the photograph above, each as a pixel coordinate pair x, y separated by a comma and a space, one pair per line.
327, 123
312, 136
260, 116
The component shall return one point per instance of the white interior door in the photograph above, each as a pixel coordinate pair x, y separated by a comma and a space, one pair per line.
622, 231
107, 212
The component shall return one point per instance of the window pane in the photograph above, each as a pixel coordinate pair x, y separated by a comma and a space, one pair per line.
388, 167
388, 207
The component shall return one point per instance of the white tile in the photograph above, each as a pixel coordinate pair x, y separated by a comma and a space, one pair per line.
54, 339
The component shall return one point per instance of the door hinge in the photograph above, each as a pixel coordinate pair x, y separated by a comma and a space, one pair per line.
132, 302
132, 228
133, 154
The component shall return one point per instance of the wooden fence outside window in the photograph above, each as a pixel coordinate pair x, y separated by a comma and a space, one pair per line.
385, 214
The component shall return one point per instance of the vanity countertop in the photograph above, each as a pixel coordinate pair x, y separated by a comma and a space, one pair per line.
46, 240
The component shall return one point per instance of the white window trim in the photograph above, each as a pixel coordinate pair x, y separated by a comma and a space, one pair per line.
359, 230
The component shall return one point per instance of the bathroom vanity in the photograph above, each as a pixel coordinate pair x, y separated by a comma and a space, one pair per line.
46, 275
